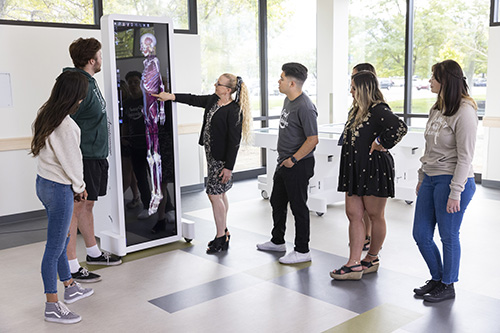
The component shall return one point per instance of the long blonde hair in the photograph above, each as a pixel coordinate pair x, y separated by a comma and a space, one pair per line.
243, 99
366, 94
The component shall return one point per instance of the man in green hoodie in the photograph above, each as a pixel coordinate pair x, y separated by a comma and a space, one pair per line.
92, 119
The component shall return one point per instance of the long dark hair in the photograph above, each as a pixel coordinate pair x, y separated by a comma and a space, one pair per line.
453, 87
70, 88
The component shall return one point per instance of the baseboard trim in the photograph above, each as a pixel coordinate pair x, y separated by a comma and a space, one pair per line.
35, 214
490, 183
192, 188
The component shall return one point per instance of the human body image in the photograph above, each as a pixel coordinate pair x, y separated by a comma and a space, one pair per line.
151, 83
297, 139
225, 122
56, 141
446, 179
367, 171
92, 120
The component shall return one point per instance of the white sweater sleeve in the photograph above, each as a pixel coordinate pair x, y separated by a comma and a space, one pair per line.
65, 144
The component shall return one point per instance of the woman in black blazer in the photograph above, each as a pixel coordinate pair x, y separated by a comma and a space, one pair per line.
226, 120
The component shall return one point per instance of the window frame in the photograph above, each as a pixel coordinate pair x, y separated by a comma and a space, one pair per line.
494, 13
98, 13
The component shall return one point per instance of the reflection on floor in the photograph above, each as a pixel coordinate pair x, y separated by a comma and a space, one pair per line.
179, 288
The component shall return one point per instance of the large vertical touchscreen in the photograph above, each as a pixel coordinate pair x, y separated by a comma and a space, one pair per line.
146, 140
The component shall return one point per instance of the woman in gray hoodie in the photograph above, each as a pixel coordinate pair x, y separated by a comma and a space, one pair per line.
446, 179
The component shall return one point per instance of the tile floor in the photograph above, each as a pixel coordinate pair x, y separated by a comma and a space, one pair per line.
179, 288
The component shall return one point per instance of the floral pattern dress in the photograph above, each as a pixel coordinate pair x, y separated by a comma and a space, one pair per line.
214, 167
364, 174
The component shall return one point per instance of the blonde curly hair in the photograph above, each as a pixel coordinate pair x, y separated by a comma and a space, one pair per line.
243, 100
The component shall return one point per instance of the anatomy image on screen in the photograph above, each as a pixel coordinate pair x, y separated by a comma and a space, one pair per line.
153, 112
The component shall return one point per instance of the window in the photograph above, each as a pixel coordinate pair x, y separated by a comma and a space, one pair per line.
291, 38
455, 30
52, 11
176, 9
445, 29
377, 36
229, 44
87, 13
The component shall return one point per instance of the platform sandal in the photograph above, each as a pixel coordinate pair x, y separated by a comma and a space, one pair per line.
227, 234
348, 274
371, 266
219, 244
366, 245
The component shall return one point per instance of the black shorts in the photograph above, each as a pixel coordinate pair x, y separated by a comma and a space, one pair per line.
95, 175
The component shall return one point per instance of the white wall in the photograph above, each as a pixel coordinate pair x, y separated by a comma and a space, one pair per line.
34, 57
491, 121
332, 60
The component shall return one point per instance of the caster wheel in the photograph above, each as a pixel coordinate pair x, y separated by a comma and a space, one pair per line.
409, 202
188, 240
320, 214
264, 194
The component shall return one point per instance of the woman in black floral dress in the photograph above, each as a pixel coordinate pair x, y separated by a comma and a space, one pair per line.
367, 171
225, 122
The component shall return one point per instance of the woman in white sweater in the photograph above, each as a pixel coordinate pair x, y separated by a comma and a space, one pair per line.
56, 143
446, 179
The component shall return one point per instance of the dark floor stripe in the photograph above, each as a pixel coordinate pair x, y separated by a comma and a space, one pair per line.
205, 292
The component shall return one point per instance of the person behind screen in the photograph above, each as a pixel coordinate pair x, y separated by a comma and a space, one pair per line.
134, 135
446, 179
92, 119
129, 180
59, 182
226, 120
367, 171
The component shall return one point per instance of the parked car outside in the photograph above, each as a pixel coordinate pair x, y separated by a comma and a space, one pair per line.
479, 82
385, 83
421, 84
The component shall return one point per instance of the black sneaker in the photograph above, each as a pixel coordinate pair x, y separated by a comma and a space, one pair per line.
441, 293
83, 275
105, 258
426, 288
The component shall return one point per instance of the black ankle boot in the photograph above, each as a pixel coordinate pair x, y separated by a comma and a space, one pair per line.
440, 293
218, 244
427, 287
159, 226
228, 238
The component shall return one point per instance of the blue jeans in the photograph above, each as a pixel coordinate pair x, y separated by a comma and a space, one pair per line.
431, 210
58, 202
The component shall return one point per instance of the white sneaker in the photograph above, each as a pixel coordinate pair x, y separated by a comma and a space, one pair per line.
270, 246
144, 214
295, 257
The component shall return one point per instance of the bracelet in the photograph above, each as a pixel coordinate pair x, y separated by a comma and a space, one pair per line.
377, 141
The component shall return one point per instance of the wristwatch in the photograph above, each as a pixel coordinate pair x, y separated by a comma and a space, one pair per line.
294, 160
